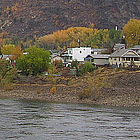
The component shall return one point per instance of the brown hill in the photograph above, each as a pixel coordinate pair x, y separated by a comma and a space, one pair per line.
28, 18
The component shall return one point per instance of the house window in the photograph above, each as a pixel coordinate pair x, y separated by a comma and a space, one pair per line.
136, 59
127, 59
115, 59
119, 59
70, 52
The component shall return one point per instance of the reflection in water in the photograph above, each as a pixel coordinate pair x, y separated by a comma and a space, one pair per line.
30, 120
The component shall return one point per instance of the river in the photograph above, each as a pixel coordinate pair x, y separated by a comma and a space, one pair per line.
35, 120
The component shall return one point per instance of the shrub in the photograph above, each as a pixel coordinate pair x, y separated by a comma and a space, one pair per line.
87, 67
7, 74
93, 84
39, 91
85, 93
8, 87
53, 89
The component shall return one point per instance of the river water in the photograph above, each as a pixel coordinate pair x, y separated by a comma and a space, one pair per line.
34, 120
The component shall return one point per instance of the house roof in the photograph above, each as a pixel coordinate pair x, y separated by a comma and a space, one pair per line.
54, 52
119, 46
98, 50
135, 47
56, 56
124, 53
99, 56
5, 56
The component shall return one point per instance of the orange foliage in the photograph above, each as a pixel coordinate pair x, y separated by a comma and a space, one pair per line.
15, 7
53, 89
17, 52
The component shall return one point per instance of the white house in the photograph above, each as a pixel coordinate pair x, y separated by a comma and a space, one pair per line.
79, 53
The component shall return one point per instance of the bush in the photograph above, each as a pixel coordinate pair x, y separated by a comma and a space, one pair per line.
53, 89
93, 86
7, 74
8, 87
87, 67
86, 93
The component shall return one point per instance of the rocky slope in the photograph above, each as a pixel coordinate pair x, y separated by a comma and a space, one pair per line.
29, 18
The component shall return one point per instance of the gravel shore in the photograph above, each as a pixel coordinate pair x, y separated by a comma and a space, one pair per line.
109, 96
125, 91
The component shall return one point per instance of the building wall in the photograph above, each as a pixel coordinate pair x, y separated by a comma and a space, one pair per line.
116, 61
102, 62
123, 61
80, 53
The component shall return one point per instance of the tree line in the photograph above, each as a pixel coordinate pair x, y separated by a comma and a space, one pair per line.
95, 38
80, 36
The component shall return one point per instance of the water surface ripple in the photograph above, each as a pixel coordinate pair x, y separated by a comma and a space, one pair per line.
32, 120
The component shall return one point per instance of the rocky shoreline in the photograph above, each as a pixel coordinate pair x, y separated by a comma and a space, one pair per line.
125, 91
109, 96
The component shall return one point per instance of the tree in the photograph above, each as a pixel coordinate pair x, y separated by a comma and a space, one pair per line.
100, 38
67, 37
87, 37
4, 68
74, 64
13, 50
17, 52
131, 32
35, 61
115, 36
7, 73
8, 49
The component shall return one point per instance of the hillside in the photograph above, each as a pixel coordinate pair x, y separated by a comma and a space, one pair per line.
29, 18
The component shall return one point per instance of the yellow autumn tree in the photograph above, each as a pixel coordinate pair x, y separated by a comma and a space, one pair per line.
80, 36
61, 38
45, 41
17, 52
13, 50
69, 37
8, 49
131, 32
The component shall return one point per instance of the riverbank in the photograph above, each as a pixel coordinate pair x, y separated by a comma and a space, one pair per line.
120, 88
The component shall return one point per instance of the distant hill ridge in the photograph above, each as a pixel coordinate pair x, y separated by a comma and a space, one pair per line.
29, 18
